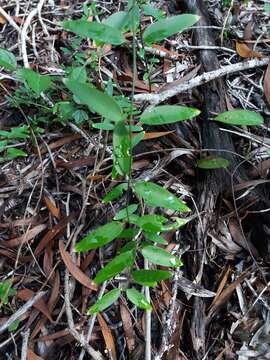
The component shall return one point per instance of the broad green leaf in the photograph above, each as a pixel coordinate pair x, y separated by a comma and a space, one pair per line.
96, 100
129, 233
64, 110
156, 195
240, 117
3, 145
103, 126
152, 236
7, 60
168, 114
159, 256
36, 82
101, 236
13, 153
79, 74
134, 18
149, 10
16, 133
94, 30
106, 301
151, 223
6, 291
117, 265
124, 213
80, 116
117, 20
179, 222
161, 29
135, 128
267, 7
138, 299
121, 149
14, 326
213, 163
130, 246
137, 138
147, 277
115, 193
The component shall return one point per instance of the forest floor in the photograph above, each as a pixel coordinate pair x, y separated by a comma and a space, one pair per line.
216, 306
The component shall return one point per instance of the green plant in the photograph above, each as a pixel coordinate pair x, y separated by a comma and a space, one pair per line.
140, 230
6, 291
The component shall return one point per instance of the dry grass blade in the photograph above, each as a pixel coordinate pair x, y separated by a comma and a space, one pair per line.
27, 294
32, 356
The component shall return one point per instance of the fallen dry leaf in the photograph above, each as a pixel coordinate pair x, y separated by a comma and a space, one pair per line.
108, 337
32, 356
55, 211
128, 328
29, 235
156, 134
56, 231
266, 84
245, 52
26, 294
225, 295
2, 20
74, 270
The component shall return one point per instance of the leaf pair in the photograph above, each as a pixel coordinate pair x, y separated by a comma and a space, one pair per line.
109, 32
112, 296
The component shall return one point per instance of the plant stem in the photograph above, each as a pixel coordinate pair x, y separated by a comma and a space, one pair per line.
147, 355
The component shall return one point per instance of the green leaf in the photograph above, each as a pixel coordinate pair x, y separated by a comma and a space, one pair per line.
6, 291
64, 110
115, 193
159, 256
14, 326
117, 20
147, 277
156, 195
106, 301
7, 60
161, 29
94, 30
129, 233
121, 149
96, 100
168, 114
13, 153
137, 138
124, 213
149, 10
138, 299
99, 237
130, 246
240, 117
152, 236
36, 82
3, 145
213, 163
80, 116
267, 7
151, 223
79, 74
16, 133
103, 126
117, 265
